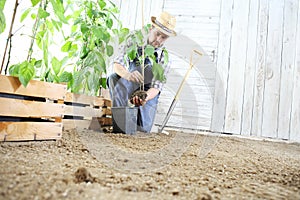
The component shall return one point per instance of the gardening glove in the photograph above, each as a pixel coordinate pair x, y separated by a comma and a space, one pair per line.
134, 76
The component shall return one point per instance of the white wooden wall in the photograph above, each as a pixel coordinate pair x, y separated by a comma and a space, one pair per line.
257, 89
257, 83
198, 24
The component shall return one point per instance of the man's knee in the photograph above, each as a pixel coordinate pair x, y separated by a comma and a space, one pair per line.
112, 80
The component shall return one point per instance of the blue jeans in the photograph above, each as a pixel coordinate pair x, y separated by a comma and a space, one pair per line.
121, 89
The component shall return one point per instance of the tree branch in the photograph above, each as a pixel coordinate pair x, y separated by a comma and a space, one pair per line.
9, 34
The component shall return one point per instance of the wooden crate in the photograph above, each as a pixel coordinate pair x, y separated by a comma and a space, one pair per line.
84, 112
31, 113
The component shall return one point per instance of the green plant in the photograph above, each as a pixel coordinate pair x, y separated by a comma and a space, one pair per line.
92, 27
49, 17
2, 16
95, 32
137, 40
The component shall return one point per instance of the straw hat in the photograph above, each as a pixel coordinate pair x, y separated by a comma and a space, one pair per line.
165, 23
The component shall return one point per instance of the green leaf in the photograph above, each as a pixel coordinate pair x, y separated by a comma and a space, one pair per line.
33, 16
2, 22
59, 10
57, 24
103, 82
109, 50
2, 4
139, 38
65, 77
158, 72
45, 49
102, 4
131, 52
147, 28
98, 32
77, 82
84, 52
25, 14
39, 38
96, 61
49, 26
166, 56
84, 28
66, 47
42, 13
50, 77
91, 82
56, 65
14, 70
38, 64
123, 34
149, 50
109, 23
35, 2
26, 73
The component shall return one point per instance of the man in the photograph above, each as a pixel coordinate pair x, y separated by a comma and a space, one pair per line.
128, 74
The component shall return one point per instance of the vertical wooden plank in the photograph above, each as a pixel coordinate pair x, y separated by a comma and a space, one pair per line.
147, 18
138, 17
156, 7
148, 8
237, 67
295, 113
273, 69
249, 74
262, 34
288, 65
128, 13
218, 116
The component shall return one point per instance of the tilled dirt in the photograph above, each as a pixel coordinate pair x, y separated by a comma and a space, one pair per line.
93, 165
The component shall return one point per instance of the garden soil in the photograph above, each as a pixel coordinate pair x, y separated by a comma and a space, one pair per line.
87, 164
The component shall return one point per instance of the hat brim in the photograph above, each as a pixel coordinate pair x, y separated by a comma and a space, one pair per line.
162, 29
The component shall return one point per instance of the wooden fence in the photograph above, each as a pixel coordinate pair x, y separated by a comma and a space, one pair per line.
256, 46
258, 69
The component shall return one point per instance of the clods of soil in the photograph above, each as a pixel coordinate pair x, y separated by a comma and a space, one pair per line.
92, 165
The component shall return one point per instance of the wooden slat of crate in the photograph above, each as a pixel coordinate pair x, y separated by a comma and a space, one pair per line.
86, 112
106, 111
12, 85
74, 124
96, 107
22, 131
25, 108
89, 100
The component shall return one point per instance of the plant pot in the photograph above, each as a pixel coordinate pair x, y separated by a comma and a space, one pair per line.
124, 119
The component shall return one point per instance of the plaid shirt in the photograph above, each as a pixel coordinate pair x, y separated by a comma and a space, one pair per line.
123, 60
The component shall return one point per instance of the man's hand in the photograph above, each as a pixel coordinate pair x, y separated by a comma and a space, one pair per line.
139, 98
138, 101
134, 76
